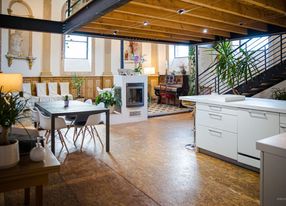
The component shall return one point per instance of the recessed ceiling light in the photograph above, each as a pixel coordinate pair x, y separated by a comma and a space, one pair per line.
205, 30
115, 33
146, 23
181, 11
241, 23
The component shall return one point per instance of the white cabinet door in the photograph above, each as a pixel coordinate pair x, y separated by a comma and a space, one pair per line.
217, 141
252, 126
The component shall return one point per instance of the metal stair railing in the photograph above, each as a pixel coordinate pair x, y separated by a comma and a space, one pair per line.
268, 52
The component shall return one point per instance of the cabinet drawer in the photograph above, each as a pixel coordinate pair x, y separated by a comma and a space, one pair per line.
217, 120
255, 125
217, 141
216, 108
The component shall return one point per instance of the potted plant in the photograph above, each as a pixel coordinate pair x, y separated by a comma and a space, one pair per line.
11, 108
279, 94
232, 69
66, 100
192, 65
109, 100
77, 83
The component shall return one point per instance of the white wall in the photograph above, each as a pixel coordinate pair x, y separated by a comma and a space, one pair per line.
162, 58
21, 66
115, 56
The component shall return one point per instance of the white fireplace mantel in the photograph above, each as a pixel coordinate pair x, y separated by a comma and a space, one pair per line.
130, 114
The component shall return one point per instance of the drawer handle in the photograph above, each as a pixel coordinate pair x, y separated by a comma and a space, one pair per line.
258, 115
283, 126
215, 133
215, 116
214, 108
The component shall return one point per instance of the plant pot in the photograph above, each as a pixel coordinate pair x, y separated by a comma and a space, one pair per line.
111, 109
9, 155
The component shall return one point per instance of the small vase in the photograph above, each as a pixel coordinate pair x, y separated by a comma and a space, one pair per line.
38, 153
66, 103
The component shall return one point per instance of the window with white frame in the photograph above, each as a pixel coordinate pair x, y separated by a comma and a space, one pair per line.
77, 53
181, 51
76, 47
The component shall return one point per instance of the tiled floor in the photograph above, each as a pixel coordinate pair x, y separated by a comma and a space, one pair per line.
147, 165
155, 109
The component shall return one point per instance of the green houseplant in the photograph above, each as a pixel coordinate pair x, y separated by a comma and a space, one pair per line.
109, 99
232, 68
279, 94
77, 83
192, 75
11, 108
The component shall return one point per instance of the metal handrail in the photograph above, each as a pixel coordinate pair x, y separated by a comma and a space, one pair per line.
264, 60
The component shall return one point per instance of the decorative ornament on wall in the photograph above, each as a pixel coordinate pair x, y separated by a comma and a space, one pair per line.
20, 42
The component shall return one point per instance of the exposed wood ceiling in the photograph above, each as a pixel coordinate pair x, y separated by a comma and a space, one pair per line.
202, 21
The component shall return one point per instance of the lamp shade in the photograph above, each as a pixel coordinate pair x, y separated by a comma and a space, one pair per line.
11, 82
149, 70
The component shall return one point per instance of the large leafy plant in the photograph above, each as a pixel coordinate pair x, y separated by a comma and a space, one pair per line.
232, 68
108, 98
192, 65
11, 108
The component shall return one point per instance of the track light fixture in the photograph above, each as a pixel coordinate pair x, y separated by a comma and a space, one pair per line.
181, 11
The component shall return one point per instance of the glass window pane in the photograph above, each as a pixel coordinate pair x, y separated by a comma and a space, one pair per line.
76, 38
181, 51
76, 50
257, 43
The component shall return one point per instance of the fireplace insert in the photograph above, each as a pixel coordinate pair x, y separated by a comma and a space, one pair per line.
134, 94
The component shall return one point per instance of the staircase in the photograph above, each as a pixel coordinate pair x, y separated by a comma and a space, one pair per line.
270, 60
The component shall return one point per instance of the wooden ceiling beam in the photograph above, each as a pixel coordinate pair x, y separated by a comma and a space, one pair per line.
236, 8
164, 15
131, 35
133, 18
204, 13
120, 29
278, 6
128, 25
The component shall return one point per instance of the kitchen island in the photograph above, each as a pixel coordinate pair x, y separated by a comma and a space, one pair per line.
229, 128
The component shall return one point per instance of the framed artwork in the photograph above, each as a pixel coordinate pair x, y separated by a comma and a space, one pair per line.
132, 49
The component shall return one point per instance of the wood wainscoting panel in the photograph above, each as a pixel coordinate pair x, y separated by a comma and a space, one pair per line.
107, 81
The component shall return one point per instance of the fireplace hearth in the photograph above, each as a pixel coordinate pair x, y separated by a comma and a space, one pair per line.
134, 94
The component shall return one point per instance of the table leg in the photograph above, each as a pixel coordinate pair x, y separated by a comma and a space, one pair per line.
27, 196
53, 133
107, 130
39, 195
2, 199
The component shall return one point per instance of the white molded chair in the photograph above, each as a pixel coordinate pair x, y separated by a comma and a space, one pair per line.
89, 126
65, 89
35, 117
88, 101
45, 123
53, 91
27, 94
42, 92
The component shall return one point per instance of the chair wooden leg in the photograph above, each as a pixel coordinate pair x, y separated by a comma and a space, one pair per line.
63, 140
80, 130
93, 137
98, 135
83, 136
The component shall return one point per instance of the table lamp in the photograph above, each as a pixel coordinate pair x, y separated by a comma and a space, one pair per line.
149, 70
11, 82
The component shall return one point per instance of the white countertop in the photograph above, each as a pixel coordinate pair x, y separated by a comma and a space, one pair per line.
275, 145
269, 105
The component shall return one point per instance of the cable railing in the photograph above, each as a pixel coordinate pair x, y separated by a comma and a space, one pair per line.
268, 53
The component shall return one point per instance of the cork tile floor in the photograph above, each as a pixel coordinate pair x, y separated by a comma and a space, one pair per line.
147, 165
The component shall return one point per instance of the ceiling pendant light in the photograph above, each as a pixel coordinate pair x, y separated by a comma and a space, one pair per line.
146, 23
181, 11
